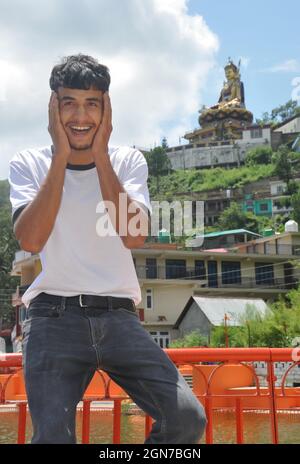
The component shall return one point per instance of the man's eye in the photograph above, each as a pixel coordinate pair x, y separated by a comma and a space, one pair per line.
93, 104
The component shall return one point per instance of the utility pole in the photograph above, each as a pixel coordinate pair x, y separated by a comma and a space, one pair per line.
226, 318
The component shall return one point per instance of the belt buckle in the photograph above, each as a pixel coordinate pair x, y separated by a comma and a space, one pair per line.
80, 302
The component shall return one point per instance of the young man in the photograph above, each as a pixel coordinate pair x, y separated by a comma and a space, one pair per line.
81, 309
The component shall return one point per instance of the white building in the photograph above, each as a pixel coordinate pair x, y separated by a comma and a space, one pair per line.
222, 153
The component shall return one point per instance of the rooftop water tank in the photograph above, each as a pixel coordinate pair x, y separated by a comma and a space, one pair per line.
267, 232
164, 236
291, 226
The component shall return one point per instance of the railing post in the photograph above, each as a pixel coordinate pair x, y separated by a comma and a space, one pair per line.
209, 416
239, 422
148, 425
117, 422
86, 411
272, 390
22, 407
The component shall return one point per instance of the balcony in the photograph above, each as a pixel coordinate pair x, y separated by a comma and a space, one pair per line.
212, 281
252, 282
278, 209
270, 249
168, 272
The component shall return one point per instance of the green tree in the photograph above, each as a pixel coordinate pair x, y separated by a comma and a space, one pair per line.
259, 155
285, 111
233, 217
247, 331
283, 324
236, 337
158, 164
280, 113
292, 187
265, 119
8, 247
192, 339
164, 143
295, 203
283, 163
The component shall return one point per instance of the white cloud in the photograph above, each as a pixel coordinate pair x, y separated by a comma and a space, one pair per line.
159, 57
291, 65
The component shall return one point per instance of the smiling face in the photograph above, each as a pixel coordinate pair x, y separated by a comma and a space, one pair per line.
81, 114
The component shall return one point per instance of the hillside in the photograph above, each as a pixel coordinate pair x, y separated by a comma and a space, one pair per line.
194, 180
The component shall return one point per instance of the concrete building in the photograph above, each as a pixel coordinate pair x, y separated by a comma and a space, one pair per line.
265, 197
286, 243
289, 126
229, 154
220, 153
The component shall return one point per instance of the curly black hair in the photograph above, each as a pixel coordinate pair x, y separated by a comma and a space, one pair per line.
80, 72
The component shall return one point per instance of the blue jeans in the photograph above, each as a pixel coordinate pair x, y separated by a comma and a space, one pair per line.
64, 345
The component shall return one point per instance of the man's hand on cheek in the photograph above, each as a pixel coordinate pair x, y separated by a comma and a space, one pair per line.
102, 136
55, 128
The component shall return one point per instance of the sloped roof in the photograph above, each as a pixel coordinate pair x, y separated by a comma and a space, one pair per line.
228, 232
215, 308
217, 250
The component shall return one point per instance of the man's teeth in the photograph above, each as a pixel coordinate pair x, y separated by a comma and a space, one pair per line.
79, 128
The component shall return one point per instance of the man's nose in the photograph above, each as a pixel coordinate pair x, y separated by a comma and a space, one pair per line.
80, 112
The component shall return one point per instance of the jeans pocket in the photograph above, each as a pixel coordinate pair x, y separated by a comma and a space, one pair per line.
128, 311
40, 309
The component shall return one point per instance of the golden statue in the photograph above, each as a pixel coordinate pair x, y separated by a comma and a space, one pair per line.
232, 93
227, 119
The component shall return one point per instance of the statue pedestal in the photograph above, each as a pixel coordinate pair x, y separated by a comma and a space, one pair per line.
221, 124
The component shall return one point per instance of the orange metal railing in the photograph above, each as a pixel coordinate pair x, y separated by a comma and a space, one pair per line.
222, 378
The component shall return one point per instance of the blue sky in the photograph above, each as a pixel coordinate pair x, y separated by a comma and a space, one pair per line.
265, 32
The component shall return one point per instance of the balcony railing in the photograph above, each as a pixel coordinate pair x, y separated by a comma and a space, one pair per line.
222, 379
165, 272
224, 280
252, 282
268, 249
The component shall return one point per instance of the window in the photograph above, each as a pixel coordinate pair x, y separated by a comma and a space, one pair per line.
149, 298
175, 268
264, 273
151, 268
212, 273
280, 189
231, 272
161, 338
256, 133
263, 207
200, 272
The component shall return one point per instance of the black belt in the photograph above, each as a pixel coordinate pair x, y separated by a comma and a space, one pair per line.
88, 301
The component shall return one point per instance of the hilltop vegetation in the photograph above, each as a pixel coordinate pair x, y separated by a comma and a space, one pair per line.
195, 180
8, 247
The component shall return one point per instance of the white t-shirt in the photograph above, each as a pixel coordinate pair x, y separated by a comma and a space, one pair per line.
75, 259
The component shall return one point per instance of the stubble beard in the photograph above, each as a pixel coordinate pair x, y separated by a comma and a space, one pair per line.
81, 148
